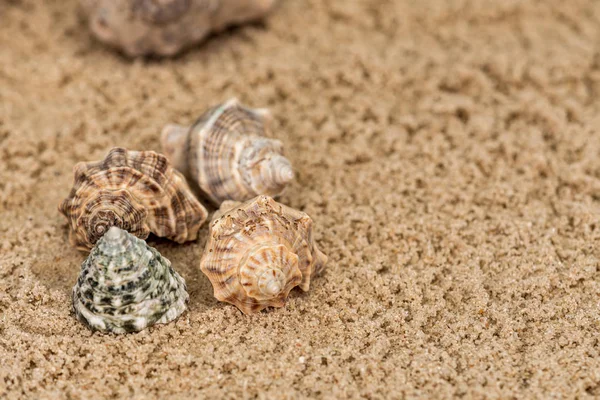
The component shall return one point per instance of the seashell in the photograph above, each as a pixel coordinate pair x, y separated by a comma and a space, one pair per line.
126, 286
165, 27
137, 191
258, 251
227, 153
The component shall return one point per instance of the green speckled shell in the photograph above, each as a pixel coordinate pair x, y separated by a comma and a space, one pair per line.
126, 286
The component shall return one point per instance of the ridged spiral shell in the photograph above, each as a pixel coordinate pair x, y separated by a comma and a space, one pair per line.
165, 27
228, 153
126, 286
258, 251
137, 191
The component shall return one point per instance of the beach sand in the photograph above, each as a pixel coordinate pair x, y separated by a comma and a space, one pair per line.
448, 152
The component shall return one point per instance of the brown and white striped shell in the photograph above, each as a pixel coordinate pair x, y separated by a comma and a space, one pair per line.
228, 153
137, 191
258, 251
164, 27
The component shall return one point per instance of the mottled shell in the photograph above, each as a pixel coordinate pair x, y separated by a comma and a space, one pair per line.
258, 251
126, 286
137, 191
165, 27
228, 154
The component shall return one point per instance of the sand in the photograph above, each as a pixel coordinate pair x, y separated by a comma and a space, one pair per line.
448, 152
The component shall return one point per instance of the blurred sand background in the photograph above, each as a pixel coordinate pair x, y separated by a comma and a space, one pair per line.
448, 152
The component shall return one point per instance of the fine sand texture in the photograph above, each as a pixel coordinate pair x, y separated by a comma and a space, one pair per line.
448, 152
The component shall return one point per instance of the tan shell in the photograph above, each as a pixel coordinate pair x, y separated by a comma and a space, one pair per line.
164, 27
228, 153
258, 251
137, 191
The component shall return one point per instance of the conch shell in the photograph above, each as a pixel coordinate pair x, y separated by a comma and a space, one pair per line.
258, 251
227, 153
126, 286
164, 27
137, 191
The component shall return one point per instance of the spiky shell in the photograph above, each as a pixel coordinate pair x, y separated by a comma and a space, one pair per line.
164, 27
137, 191
126, 286
228, 154
258, 251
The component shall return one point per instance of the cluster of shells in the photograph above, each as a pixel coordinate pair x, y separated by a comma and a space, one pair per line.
258, 250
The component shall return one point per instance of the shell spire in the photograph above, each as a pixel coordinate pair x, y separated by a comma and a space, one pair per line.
137, 191
126, 286
258, 251
165, 27
227, 152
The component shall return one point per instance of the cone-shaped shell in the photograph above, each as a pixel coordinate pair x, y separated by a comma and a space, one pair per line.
126, 286
164, 27
227, 153
258, 251
137, 191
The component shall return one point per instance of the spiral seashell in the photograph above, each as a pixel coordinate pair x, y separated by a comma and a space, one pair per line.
258, 251
165, 27
137, 191
126, 286
227, 154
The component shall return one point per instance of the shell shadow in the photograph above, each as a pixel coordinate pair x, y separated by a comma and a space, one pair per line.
57, 264
185, 259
